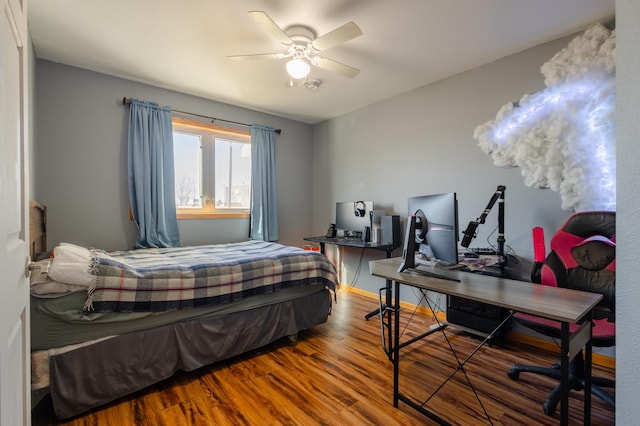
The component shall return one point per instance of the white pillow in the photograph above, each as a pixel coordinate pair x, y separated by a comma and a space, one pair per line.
71, 264
43, 286
51, 289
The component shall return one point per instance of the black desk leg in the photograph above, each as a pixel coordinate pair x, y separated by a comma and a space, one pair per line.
388, 303
588, 348
396, 344
564, 374
387, 296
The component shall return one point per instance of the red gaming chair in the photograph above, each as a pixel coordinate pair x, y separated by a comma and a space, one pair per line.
583, 258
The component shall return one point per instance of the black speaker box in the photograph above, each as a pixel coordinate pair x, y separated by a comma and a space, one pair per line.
390, 229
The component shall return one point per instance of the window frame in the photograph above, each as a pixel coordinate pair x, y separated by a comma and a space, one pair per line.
208, 210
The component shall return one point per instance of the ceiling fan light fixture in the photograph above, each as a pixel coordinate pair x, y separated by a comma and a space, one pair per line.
298, 68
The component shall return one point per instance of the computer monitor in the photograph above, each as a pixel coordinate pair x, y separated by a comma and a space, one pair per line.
436, 225
353, 216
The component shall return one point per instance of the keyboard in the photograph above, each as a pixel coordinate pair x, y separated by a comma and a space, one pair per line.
483, 251
349, 239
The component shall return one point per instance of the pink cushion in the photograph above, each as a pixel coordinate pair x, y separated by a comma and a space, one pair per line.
602, 328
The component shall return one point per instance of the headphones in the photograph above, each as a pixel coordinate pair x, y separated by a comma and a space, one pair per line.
359, 208
422, 226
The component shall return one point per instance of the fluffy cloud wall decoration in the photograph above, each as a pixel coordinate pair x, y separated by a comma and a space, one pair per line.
563, 137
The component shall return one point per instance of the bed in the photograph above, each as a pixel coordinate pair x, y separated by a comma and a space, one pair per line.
105, 325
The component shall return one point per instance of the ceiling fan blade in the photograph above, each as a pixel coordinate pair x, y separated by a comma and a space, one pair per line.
257, 56
339, 35
337, 67
271, 27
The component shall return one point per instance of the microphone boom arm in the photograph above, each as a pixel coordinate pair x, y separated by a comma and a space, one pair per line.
470, 232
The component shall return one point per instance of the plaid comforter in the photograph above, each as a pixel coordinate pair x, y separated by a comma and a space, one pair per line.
155, 280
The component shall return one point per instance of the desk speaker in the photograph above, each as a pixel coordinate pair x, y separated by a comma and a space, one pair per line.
390, 229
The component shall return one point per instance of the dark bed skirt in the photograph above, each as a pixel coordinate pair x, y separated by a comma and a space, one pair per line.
94, 375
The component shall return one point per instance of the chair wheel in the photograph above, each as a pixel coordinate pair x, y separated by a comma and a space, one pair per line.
549, 409
513, 374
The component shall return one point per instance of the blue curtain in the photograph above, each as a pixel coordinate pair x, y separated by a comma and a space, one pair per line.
264, 209
151, 180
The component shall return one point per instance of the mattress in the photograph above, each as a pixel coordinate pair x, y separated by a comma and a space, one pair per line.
61, 322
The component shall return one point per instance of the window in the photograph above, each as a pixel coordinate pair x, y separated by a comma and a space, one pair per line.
212, 170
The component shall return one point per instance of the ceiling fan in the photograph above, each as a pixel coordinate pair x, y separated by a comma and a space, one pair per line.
303, 46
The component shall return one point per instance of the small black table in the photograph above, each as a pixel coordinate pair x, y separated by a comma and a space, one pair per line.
388, 248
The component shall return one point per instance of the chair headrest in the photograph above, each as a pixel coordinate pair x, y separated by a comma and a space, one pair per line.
588, 240
594, 253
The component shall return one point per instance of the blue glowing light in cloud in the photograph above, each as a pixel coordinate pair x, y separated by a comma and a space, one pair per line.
563, 137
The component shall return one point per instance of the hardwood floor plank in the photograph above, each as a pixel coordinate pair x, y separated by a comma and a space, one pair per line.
337, 373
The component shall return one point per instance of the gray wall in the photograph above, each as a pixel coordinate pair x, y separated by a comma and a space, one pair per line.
422, 143
80, 161
628, 157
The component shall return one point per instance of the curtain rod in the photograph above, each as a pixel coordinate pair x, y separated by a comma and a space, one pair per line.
127, 101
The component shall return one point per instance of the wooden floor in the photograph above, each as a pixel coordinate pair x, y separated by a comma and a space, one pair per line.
337, 374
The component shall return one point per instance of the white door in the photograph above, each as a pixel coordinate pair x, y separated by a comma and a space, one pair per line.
15, 395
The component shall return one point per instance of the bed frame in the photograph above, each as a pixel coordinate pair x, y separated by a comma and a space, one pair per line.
37, 229
84, 377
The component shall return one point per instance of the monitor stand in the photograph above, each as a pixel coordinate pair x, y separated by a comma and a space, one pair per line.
409, 253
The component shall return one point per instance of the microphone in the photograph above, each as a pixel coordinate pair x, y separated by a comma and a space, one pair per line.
469, 234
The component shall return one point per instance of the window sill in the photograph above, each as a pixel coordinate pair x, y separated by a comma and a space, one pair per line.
212, 215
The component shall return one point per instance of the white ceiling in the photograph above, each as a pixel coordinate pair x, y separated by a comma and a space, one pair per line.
183, 45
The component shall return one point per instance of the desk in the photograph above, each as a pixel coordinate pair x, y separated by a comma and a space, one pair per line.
560, 304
